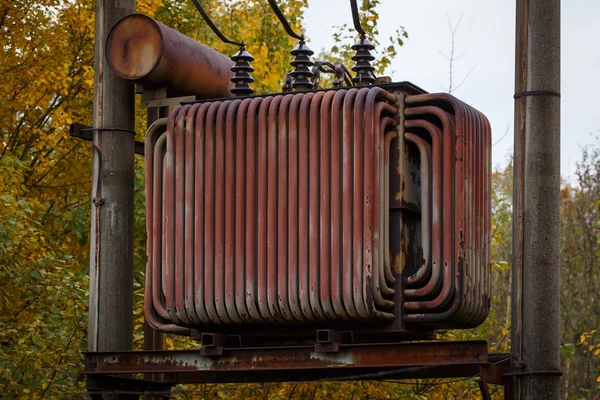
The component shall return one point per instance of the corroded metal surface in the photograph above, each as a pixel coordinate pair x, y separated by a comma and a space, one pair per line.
143, 50
309, 208
253, 199
304, 359
458, 291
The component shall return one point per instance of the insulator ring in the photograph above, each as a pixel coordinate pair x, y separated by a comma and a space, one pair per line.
362, 59
302, 72
241, 73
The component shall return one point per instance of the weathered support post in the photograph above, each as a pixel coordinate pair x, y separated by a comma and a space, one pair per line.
111, 259
536, 202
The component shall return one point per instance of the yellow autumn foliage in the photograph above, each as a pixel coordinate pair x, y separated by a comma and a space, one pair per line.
46, 83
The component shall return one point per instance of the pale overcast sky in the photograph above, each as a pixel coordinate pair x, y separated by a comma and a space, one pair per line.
486, 34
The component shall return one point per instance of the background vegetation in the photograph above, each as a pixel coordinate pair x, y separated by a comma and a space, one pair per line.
46, 83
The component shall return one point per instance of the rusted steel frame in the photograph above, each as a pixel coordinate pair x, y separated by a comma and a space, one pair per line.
282, 136
348, 216
261, 216
470, 267
252, 280
293, 266
381, 260
450, 268
473, 310
242, 143
338, 166
141, 49
484, 224
471, 305
231, 166
482, 134
199, 199
173, 194
381, 213
382, 292
302, 358
157, 226
303, 209
389, 138
436, 221
272, 240
219, 214
177, 305
153, 339
329, 272
456, 305
190, 169
153, 135
315, 245
463, 126
487, 207
360, 231
209, 214
333, 103
425, 270
487, 210
372, 190
386, 276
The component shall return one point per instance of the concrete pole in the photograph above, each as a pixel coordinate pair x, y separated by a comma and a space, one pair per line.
111, 259
536, 223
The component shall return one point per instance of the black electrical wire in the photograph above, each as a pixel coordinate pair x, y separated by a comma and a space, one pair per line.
283, 21
212, 26
356, 18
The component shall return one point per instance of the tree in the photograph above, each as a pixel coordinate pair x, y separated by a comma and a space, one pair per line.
46, 78
580, 286
46, 70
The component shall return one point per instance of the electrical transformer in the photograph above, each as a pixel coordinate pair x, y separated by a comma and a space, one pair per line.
291, 217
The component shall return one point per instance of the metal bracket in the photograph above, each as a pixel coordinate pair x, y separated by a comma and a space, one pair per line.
159, 98
85, 132
329, 340
171, 101
212, 344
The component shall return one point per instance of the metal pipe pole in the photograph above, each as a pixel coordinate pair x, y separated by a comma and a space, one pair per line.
111, 259
521, 38
536, 222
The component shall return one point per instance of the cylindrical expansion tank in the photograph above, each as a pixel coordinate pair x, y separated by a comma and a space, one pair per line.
145, 51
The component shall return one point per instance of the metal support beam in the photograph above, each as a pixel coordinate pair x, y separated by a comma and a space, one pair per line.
300, 363
111, 259
536, 218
